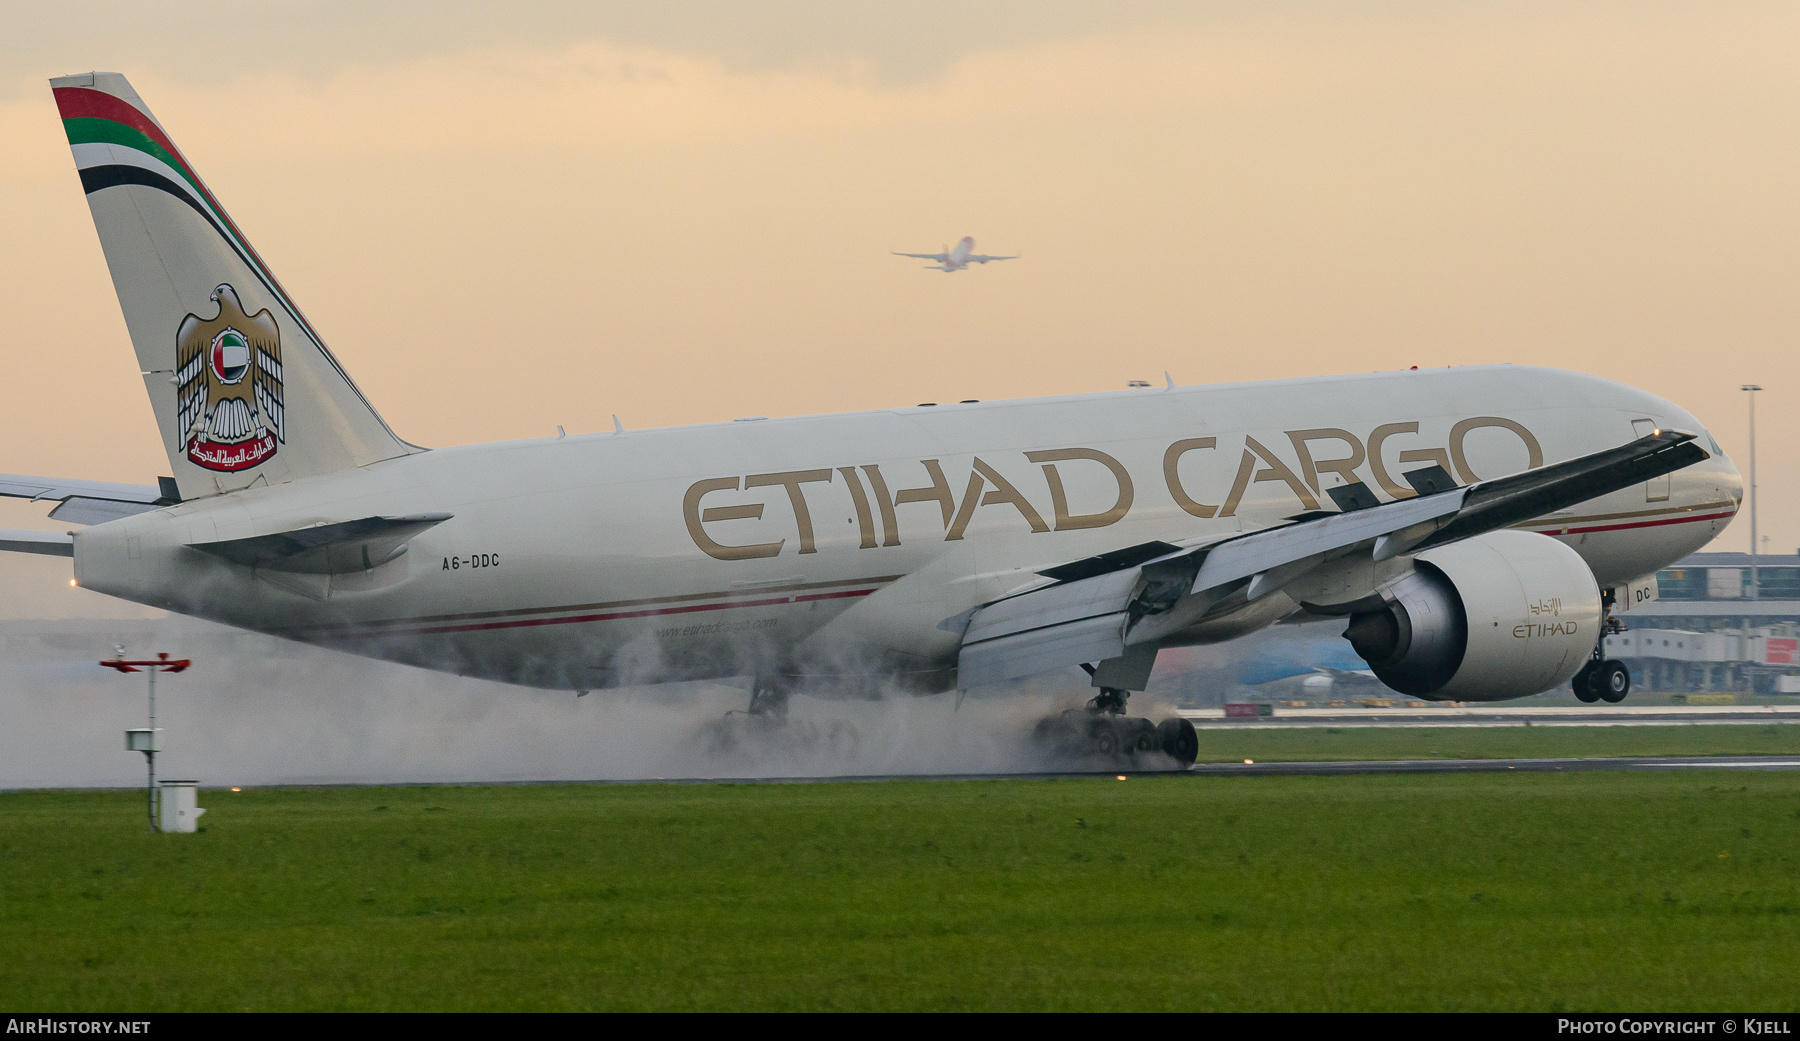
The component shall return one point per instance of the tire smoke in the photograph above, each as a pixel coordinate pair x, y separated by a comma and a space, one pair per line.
255, 710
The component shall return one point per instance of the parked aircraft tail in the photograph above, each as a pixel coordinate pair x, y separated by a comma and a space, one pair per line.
244, 390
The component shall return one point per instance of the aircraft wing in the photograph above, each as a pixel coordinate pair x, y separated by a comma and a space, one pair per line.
1116, 607
942, 258
981, 259
85, 502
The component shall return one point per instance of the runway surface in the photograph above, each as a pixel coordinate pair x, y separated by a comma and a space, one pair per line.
1383, 766
1198, 770
1455, 766
1272, 769
1489, 716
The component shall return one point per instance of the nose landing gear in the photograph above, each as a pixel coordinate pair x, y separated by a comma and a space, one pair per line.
1602, 678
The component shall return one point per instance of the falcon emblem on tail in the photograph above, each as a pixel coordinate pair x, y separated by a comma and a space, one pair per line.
228, 386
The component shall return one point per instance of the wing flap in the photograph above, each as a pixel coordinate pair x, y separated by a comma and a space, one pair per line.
1029, 653
1053, 606
1048, 627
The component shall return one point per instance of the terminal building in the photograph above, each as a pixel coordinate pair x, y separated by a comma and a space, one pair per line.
1721, 622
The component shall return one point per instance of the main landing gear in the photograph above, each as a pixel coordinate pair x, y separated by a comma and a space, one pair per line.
1602, 678
764, 726
1102, 730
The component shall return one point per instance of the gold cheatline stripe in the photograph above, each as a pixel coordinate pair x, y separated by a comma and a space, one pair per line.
607, 606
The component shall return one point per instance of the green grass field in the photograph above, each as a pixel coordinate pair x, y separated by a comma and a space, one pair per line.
1537, 891
1230, 745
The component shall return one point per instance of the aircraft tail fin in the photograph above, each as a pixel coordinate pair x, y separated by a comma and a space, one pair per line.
244, 390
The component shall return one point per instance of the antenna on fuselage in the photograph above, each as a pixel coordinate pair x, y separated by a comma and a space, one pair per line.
618, 427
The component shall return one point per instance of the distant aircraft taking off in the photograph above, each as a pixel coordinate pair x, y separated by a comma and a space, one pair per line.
956, 259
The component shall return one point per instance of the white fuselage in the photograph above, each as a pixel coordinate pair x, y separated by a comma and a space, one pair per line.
958, 258
834, 545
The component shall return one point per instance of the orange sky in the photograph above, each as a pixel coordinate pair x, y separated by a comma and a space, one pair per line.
682, 213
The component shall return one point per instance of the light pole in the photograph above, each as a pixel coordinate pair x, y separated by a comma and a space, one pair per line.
1755, 586
147, 741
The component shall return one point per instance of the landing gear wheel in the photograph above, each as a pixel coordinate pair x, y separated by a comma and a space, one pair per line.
1138, 736
1102, 731
1583, 684
764, 724
717, 739
1611, 682
1103, 739
1179, 742
738, 732
842, 739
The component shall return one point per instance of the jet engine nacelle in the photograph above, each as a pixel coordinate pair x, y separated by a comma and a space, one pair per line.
1502, 615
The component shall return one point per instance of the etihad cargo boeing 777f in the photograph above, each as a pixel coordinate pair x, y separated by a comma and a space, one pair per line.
1473, 527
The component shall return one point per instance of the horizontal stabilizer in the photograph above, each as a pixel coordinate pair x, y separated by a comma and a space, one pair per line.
58, 488
48, 543
79, 502
79, 509
86, 502
326, 549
